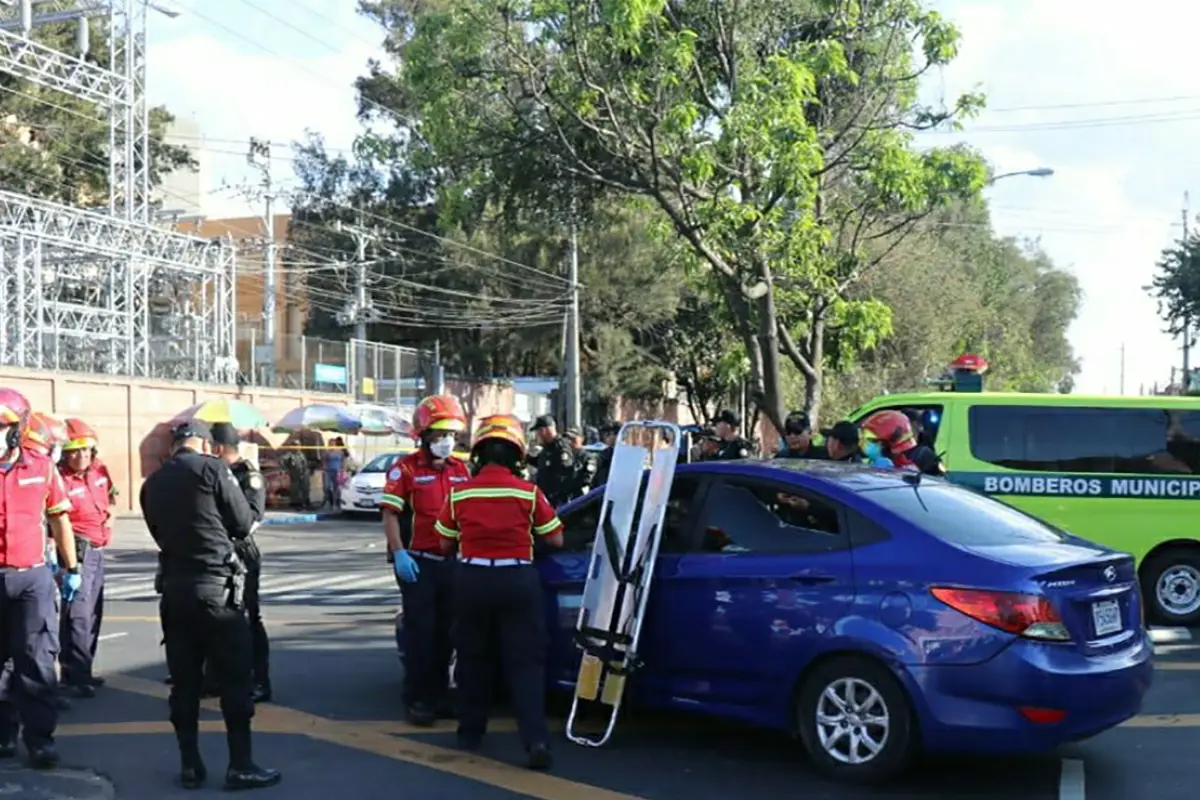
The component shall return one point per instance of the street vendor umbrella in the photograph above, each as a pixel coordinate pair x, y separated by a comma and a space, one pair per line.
317, 417
238, 413
371, 420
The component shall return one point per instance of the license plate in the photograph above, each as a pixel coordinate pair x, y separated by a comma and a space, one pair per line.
365, 503
1107, 617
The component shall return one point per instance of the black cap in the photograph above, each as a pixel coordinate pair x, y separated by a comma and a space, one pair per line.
610, 427
544, 421
845, 432
573, 433
797, 422
224, 433
192, 429
729, 417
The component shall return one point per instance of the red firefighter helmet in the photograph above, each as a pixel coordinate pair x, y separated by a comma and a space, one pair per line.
14, 414
43, 432
892, 428
80, 435
439, 412
501, 426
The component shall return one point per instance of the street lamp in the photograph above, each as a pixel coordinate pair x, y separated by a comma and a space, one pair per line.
1040, 172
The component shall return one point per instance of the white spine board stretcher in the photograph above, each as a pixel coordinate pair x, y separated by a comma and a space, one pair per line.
621, 568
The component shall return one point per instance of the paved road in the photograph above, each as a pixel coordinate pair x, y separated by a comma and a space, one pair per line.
337, 718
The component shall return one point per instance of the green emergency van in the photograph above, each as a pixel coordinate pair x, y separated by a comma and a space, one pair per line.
1120, 471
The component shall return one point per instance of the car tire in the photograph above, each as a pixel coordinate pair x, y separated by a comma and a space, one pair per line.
881, 696
1177, 573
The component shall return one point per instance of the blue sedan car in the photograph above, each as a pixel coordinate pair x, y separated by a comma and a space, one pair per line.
870, 613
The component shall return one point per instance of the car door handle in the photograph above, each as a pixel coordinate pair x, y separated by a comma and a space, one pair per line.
812, 580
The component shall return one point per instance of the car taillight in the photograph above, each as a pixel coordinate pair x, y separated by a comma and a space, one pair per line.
1028, 615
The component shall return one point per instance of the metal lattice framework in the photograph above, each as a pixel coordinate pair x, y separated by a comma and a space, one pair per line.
84, 291
108, 293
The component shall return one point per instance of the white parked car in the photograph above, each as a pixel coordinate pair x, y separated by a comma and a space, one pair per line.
361, 493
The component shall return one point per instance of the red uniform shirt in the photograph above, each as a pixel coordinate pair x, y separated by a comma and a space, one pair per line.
91, 495
414, 482
30, 490
496, 515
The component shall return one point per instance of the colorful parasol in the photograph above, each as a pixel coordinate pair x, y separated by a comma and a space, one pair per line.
238, 413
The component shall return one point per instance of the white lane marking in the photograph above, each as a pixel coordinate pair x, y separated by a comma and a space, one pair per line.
1070, 782
293, 582
127, 590
105, 637
1168, 635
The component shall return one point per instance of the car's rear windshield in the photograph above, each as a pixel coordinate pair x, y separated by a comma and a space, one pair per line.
961, 516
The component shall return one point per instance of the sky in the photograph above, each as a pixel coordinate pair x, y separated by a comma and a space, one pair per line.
1108, 101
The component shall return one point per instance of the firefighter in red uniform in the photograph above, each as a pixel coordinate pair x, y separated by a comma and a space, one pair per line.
31, 491
893, 430
90, 488
416, 490
500, 617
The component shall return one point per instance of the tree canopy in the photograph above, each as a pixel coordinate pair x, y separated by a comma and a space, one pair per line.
752, 208
774, 135
1176, 285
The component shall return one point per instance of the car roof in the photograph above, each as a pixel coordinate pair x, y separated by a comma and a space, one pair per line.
811, 472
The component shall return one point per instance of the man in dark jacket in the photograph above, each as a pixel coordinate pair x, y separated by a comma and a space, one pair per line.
797, 437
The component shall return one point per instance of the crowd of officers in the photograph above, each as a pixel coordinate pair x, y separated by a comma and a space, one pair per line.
56, 501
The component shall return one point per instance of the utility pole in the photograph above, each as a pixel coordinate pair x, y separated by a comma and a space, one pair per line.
574, 389
360, 311
260, 156
1185, 383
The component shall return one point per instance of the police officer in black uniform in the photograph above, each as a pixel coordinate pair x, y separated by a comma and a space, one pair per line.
557, 474
254, 488
797, 438
733, 446
586, 463
608, 437
195, 510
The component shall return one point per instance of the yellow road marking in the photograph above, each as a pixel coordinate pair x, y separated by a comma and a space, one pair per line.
1164, 721
379, 739
305, 623
1177, 665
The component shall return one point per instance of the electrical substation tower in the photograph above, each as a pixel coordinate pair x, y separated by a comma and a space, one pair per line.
104, 290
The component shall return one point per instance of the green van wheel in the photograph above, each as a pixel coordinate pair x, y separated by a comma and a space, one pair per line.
1171, 586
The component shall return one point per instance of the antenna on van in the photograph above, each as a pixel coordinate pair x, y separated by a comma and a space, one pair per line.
965, 374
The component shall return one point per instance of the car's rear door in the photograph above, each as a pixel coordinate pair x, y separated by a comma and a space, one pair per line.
772, 575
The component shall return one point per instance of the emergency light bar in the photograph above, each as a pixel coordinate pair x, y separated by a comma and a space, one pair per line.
965, 374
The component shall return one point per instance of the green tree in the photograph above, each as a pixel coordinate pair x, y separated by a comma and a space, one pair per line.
1176, 285
55, 146
775, 135
494, 317
953, 289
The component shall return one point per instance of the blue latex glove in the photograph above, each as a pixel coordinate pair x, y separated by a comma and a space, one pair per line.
72, 583
406, 567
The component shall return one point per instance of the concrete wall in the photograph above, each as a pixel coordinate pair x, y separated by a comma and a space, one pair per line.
131, 416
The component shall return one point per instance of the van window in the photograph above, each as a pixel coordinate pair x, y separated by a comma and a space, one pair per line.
1133, 441
961, 516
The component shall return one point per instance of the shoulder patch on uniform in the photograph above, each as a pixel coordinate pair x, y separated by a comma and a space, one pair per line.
256, 481
567, 457
743, 453
394, 474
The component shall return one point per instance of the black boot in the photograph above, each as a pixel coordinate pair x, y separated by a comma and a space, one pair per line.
192, 772
243, 773
43, 756
253, 777
262, 692
539, 757
421, 715
8, 744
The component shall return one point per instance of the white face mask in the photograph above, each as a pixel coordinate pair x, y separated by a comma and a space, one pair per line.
56, 453
442, 448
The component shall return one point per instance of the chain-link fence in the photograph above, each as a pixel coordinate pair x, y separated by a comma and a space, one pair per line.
372, 371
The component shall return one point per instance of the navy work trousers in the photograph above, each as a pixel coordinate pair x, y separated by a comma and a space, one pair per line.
428, 618
29, 638
500, 621
79, 634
